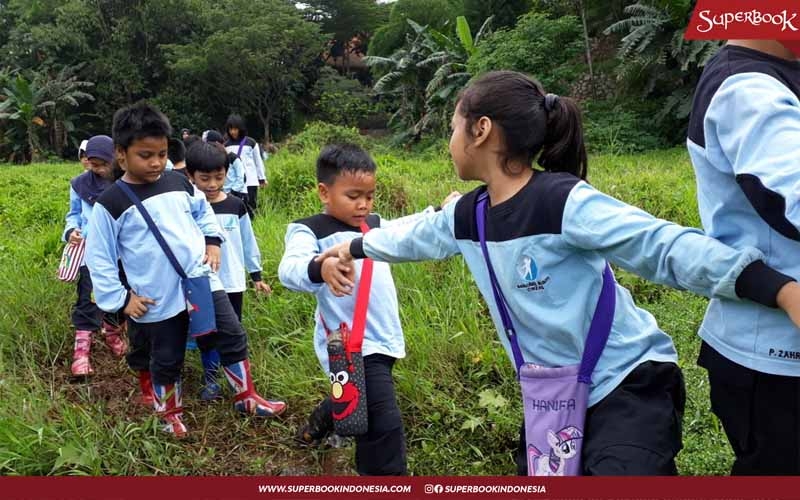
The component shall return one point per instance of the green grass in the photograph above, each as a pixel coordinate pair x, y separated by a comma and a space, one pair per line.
456, 388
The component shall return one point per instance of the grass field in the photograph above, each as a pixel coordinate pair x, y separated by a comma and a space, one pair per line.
456, 388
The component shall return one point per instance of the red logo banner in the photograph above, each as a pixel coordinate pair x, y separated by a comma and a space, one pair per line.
745, 19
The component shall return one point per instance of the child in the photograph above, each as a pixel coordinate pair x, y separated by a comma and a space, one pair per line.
207, 164
549, 236
176, 152
234, 180
86, 317
155, 299
346, 177
82, 154
743, 141
248, 150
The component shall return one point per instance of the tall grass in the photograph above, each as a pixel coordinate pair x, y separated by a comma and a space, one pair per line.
456, 388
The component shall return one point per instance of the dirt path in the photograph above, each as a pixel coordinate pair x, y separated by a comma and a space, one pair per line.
238, 446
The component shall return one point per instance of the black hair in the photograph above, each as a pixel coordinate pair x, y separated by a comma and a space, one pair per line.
334, 159
206, 157
176, 150
139, 121
237, 122
214, 136
191, 140
516, 103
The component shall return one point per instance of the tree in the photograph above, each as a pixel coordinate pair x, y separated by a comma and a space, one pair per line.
32, 105
656, 60
543, 47
503, 12
350, 23
392, 35
259, 68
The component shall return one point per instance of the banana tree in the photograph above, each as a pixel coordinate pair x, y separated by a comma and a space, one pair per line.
22, 111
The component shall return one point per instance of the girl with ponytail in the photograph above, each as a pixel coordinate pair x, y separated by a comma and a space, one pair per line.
549, 236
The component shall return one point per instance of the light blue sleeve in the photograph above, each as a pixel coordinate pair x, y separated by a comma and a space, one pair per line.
260, 170
74, 215
655, 249
756, 119
236, 177
426, 237
252, 256
406, 219
301, 246
101, 258
203, 214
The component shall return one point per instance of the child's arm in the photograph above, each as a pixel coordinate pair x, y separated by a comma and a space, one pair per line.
756, 120
427, 238
300, 270
252, 255
203, 214
664, 252
72, 230
429, 209
260, 170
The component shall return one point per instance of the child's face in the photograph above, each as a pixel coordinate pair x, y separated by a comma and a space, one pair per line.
350, 197
210, 183
144, 160
85, 162
460, 140
233, 132
100, 168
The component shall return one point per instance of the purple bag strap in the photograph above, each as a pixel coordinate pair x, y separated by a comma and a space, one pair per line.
241, 146
603, 317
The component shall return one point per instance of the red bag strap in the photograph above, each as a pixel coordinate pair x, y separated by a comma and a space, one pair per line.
362, 302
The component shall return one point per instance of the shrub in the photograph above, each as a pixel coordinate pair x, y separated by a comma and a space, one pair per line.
317, 134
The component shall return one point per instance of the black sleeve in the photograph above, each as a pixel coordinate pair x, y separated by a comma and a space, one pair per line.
357, 248
315, 271
213, 240
760, 283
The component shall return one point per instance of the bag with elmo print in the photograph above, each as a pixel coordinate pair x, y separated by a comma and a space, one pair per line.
348, 386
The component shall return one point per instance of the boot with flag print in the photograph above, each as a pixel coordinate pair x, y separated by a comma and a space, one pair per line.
246, 400
169, 407
80, 356
211, 363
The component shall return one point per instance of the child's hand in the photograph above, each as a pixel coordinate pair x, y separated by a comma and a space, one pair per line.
789, 300
75, 236
137, 306
450, 197
340, 251
338, 276
262, 287
212, 257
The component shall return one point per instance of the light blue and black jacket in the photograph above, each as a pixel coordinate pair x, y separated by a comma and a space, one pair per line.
305, 240
187, 222
549, 244
250, 155
240, 250
744, 141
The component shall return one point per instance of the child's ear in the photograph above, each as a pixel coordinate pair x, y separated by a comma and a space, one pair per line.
481, 130
119, 151
323, 192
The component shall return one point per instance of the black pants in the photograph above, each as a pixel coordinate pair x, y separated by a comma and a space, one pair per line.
759, 412
252, 198
160, 346
246, 199
237, 298
85, 314
636, 429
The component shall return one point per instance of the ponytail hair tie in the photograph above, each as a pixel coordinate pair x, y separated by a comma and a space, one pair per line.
550, 100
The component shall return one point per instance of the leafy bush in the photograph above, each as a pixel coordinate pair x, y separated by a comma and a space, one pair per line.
539, 46
620, 127
317, 134
344, 101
